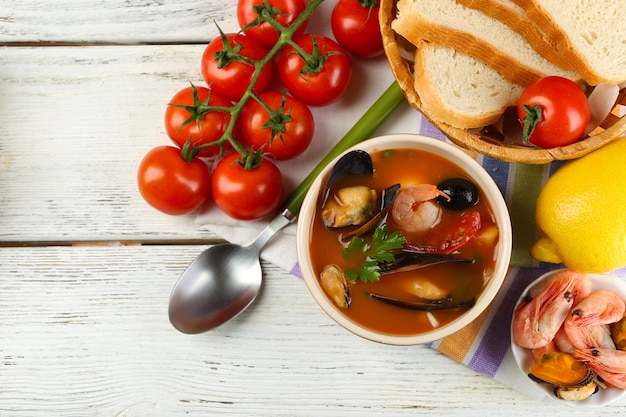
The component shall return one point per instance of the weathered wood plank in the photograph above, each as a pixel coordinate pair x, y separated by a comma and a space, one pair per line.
75, 123
85, 332
123, 21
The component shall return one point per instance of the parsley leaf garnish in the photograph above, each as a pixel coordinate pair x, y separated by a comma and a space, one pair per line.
372, 254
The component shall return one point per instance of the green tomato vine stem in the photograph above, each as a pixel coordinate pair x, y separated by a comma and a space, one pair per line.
249, 160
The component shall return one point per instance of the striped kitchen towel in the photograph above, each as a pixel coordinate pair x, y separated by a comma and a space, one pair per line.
484, 345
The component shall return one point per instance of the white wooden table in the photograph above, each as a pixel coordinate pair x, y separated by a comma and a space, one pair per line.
86, 267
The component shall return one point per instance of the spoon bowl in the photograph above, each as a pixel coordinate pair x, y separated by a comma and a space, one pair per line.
220, 283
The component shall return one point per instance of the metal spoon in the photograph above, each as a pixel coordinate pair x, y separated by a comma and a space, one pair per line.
224, 279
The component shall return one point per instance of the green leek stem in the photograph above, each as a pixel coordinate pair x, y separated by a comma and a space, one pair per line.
363, 129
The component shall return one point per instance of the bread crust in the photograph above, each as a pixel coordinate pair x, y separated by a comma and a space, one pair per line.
591, 68
415, 29
522, 25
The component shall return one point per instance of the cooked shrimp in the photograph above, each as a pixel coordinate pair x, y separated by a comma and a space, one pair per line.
413, 210
536, 322
580, 290
587, 324
562, 341
598, 336
609, 364
600, 307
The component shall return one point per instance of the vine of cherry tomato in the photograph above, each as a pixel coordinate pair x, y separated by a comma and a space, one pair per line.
229, 74
185, 120
238, 124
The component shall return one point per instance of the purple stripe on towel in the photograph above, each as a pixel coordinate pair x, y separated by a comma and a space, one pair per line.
499, 171
296, 270
496, 340
427, 129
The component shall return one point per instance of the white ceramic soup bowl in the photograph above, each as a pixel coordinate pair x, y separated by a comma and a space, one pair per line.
474, 171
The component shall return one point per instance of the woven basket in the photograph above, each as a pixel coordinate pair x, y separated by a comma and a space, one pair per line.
488, 141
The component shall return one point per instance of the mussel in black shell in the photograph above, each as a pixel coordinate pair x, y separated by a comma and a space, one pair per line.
354, 205
335, 285
353, 163
572, 379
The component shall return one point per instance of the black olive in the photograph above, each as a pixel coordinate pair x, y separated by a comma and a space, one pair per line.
462, 192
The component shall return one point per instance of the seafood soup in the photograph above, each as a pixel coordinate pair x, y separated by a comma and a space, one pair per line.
440, 229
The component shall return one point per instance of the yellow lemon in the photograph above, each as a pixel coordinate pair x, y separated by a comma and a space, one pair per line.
581, 212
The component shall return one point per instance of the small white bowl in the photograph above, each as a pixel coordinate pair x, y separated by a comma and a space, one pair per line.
523, 357
475, 171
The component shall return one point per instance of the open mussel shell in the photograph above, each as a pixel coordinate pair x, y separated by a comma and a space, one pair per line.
560, 369
335, 285
572, 379
356, 162
576, 393
387, 197
423, 304
409, 261
350, 206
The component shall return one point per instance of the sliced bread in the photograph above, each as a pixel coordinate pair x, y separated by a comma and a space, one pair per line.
471, 32
513, 15
460, 90
590, 35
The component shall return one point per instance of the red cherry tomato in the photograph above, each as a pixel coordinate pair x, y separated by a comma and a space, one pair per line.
230, 73
246, 194
355, 27
323, 77
170, 184
283, 11
449, 238
553, 111
185, 120
454, 236
284, 134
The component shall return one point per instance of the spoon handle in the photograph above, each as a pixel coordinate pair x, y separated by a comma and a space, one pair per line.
363, 129
277, 223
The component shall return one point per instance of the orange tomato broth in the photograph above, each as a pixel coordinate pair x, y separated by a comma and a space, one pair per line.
462, 280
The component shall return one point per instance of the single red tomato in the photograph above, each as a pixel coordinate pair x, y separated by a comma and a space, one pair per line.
186, 120
170, 184
553, 111
229, 70
283, 11
283, 134
355, 27
447, 239
246, 194
322, 76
